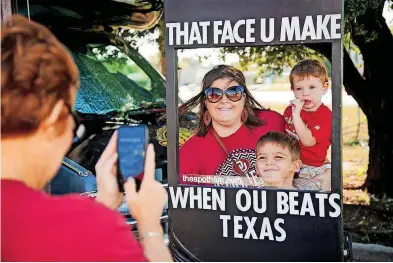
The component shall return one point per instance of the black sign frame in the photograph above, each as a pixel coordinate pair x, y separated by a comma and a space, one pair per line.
314, 245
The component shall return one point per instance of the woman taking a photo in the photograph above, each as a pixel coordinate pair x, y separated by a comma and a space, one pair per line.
231, 122
39, 81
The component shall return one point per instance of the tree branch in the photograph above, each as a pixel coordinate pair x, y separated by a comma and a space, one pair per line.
353, 82
323, 48
375, 43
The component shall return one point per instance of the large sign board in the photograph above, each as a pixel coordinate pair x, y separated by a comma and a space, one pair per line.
227, 222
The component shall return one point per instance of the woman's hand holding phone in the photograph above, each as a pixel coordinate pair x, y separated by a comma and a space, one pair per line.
106, 171
146, 205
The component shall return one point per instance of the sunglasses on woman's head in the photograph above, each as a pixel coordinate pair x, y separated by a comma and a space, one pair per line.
234, 93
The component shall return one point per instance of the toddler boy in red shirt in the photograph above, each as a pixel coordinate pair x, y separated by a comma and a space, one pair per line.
310, 121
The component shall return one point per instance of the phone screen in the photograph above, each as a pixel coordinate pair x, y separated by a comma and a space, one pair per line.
131, 148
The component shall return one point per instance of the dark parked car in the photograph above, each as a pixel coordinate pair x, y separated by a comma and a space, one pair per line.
117, 84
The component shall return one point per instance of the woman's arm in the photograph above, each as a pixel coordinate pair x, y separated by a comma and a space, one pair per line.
152, 240
146, 205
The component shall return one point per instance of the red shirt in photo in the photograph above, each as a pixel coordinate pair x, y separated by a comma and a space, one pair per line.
319, 122
204, 156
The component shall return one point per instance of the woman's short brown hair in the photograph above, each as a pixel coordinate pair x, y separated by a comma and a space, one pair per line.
36, 72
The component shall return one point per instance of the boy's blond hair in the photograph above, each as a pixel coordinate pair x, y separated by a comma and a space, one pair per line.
283, 140
307, 68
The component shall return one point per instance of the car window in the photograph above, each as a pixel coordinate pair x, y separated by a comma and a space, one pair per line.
110, 81
116, 61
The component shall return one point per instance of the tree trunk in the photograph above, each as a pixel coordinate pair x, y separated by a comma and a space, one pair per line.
379, 175
374, 94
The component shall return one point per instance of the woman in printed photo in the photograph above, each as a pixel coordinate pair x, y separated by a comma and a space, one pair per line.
230, 123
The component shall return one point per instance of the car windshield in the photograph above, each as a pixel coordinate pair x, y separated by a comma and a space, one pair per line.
110, 81
114, 78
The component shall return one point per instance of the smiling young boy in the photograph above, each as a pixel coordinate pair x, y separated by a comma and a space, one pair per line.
278, 160
309, 120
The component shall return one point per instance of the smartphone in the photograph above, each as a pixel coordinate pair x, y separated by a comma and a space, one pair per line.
132, 142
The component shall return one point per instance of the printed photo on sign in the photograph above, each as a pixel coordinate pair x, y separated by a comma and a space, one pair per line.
261, 117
